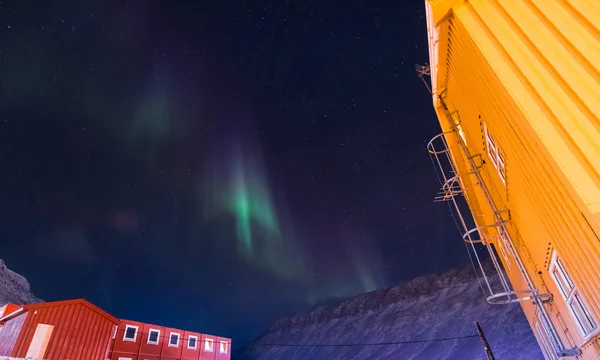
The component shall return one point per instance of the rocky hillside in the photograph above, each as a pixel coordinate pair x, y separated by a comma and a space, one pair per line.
14, 288
404, 318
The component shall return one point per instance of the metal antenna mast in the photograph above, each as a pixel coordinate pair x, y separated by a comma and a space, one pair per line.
423, 70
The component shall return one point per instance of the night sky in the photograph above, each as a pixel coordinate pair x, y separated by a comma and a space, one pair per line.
215, 165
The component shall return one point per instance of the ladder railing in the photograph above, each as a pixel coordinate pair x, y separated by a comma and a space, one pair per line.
478, 235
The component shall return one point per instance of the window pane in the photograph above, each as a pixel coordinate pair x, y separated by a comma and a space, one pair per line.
582, 314
501, 168
492, 151
192, 342
153, 337
566, 276
208, 345
174, 339
560, 282
130, 333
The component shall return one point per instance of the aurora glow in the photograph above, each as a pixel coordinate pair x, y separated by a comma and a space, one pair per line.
236, 186
249, 200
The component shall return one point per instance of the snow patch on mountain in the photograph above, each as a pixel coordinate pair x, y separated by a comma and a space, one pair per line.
404, 317
14, 288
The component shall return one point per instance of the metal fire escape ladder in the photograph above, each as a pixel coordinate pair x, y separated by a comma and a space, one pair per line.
452, 186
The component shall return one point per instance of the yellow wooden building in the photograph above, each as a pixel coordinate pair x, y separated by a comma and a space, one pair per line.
516, 88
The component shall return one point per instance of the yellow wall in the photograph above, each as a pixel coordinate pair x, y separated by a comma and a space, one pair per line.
530, 71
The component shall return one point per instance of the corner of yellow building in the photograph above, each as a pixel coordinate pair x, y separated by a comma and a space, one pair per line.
516, 88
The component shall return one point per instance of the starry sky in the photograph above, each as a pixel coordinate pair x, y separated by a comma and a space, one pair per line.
215, 165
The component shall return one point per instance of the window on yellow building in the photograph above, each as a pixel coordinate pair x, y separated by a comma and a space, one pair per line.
494, 154
577, 306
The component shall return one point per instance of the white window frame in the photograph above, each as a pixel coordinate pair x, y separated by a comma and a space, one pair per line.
195, 342
115, 333
572, 297
494, 154
207, 347
178, 338
124, 358
221, 347
150, 331
125, 338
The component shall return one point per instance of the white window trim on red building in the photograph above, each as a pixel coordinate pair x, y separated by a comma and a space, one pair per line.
125, 338
223, 347
195, 342
157, 337
178, 337
209, 344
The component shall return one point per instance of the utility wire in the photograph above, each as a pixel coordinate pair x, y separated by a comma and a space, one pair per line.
370, 344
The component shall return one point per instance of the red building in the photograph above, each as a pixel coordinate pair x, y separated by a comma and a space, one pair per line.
78, 330
73, 329
138, 341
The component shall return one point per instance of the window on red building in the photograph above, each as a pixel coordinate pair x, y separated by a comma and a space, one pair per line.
130, 333
223, 348
153, 336
173, 340
192, 340
208, 345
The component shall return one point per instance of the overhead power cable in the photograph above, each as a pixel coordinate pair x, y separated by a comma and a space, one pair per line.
369, 344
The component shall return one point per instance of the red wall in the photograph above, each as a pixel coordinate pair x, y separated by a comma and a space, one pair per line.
191, 354
126, 348
9, 334
169, 352
227, 355
141, 350
81, 331
151, 349
209, 355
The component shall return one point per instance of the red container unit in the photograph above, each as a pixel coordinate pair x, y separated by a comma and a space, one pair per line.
139, 341
152, 339
128, 340
215, 348
208, 350
173, 344
224, 349
192, 344
73, 329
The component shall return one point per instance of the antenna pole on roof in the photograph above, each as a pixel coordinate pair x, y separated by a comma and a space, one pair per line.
486, 346
423, 70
